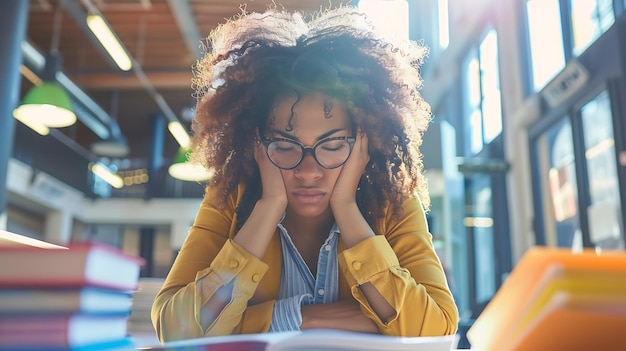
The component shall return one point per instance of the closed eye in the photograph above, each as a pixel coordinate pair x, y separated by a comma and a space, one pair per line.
335, 145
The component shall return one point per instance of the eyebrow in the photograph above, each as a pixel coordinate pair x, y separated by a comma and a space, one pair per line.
323, 136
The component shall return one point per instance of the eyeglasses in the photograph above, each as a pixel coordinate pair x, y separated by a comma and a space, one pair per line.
329, 153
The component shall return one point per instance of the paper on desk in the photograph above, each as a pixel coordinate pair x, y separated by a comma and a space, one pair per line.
309, 340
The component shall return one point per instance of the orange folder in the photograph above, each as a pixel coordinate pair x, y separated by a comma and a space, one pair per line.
576, 322
503, 320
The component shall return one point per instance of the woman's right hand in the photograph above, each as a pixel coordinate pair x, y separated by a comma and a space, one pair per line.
257, 231
271, 178
344, 315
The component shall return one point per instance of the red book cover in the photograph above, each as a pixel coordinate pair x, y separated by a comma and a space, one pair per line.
80, 264
59, 330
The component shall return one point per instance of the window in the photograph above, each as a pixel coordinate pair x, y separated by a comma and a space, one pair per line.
589, 20
490, 87
604, 211
546, 40
482, 93
390, 17
557, 166
479, 221
472, 98
444, 30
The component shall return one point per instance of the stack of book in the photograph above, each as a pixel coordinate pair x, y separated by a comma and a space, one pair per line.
76, 297
140, 323
555, 299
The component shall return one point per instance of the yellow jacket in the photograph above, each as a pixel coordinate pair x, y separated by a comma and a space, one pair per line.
400, 262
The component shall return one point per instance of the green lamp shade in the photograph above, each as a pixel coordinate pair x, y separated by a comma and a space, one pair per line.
47, 104
182, 169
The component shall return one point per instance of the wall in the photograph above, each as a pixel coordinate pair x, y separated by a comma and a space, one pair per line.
62, 205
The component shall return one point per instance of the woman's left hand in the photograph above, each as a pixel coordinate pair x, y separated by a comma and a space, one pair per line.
344, 192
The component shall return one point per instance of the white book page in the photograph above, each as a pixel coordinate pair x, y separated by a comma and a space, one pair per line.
322, 339
338, 340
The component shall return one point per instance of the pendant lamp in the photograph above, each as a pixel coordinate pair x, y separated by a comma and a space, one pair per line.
115, 145
183, 169
48, 104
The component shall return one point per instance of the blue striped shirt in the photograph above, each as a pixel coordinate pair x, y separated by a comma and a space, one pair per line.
298, 287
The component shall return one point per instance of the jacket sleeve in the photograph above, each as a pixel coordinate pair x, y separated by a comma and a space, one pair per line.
208, 260
403, 266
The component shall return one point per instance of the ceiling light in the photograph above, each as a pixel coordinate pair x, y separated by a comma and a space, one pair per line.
34, 125
103, 172
47, 105
109, 41
115, 147
179, 133
185, 170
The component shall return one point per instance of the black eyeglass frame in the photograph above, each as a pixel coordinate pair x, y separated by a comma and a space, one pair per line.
267, 141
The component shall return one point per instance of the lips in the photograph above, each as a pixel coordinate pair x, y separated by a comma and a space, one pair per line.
308, 195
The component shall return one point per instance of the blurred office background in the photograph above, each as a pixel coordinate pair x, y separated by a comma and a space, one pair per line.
527, 145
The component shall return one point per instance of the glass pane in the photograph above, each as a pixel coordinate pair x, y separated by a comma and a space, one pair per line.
444, 27
473, 82
546, 40
605, 210
380, 11
472, 98
558, 175
476, 132
590, 18
480, 221
490, 84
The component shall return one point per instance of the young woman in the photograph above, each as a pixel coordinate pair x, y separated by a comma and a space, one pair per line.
315, 215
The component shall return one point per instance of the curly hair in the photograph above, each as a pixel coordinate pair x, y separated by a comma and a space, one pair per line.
255, 58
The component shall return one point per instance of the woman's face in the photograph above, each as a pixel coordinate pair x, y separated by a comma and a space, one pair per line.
315, 118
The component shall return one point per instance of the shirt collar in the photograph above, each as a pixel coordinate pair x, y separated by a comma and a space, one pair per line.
334, 229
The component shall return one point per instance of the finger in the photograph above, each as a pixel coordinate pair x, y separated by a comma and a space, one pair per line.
362, 139
361, 145
259, 153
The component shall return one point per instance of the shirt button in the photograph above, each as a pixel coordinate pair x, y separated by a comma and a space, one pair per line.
320, 292
233, 264
327, 247
256, 277
356, 265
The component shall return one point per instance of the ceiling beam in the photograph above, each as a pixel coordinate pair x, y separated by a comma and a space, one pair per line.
187, 25
79, 17
159, 80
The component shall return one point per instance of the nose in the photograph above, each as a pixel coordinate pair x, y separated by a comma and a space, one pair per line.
308, 168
